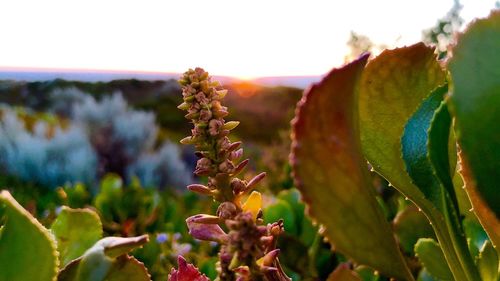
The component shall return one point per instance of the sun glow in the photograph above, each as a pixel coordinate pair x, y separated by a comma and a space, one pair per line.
244, 39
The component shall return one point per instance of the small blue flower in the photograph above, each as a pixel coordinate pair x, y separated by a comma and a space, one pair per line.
161, 238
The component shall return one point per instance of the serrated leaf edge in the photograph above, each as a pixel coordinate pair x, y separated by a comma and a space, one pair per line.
4, 194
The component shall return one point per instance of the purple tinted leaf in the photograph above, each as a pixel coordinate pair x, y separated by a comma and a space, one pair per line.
186, 272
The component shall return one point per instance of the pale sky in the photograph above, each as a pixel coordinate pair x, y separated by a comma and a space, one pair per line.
237, 38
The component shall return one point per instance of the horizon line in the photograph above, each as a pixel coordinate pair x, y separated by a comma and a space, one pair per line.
132, 71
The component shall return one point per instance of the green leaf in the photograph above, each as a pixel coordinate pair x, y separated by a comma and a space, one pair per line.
105, 261
27, 249
426, 156
425, 152
411, 225
475, 234
487, 262
431, 256
281, 210
424, 275
474, 103
292, 196
393, 86
366, 273
76, 230
332, 175
109, 196
128, 268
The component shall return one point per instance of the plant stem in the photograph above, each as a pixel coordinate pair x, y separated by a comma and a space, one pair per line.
459, 242
312, 253
445, 242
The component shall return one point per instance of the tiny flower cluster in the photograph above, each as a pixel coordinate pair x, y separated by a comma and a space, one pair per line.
248, 248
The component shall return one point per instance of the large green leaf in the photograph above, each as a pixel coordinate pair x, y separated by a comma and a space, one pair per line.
393, 86
331, 173
475, 103
108, 260
426, 155
76, 231
27, 249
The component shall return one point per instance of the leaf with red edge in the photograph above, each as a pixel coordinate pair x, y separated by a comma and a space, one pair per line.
186, 272
343, 273
475, 103
331, 173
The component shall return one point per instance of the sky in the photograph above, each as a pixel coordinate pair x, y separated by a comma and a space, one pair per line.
239, 38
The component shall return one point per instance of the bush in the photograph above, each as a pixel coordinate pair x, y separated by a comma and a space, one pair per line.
49, 154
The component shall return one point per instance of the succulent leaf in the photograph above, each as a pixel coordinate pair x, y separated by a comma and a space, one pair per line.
27, 249
474, 104
331, 173
488, 263
425, 145
108, 260
418, 147
393, 86
76, 230
431, 256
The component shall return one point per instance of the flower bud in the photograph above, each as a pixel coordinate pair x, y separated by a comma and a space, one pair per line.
205, 115
205, 219
226, 167
236, 155
220, 113
203, 163
269, 258
224, 144
254, 181
267, 240
206, 232
227, 210
203, 167
214, 127
215, 105
200, 189
276, 228
237, 186
201, 98
240, 166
